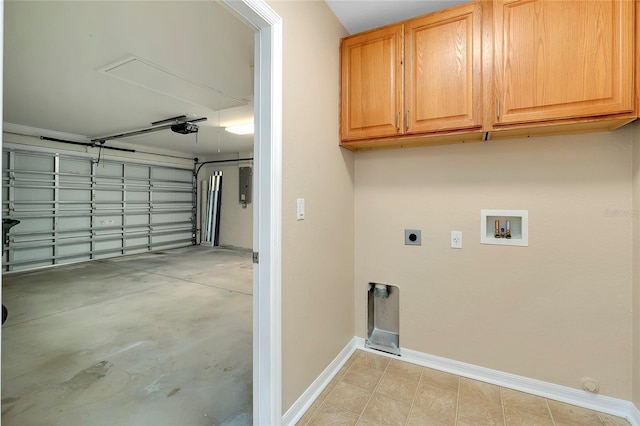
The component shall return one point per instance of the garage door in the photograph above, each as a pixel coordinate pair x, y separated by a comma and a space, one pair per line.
72, 209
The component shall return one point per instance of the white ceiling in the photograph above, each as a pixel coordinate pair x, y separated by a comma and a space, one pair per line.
199, 52
55, 53
362, 15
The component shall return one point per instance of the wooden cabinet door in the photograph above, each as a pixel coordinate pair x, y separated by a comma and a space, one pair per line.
563, 59
443, 70
372, 84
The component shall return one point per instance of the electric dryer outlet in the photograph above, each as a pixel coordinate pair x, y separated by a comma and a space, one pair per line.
412, 237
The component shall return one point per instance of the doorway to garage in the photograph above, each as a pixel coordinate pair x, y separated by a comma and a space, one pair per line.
150, 157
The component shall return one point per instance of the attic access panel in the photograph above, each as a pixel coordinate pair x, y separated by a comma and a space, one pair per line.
146, 74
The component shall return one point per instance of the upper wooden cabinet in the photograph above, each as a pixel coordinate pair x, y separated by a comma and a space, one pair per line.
442, 82
372, 84
492, 69
559, 60
443, 78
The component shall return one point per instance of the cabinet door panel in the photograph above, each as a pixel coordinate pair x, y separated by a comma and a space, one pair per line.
563, 59
443, 70
372, 84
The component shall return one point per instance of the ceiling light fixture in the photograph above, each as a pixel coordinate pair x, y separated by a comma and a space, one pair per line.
241, 129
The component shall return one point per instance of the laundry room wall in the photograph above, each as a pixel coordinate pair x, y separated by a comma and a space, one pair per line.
317, 252
557, 310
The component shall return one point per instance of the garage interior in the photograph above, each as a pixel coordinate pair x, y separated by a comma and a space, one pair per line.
128, 282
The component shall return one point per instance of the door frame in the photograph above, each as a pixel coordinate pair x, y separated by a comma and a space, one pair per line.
267, 209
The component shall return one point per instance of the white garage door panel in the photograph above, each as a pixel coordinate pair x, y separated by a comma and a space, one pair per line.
136, 196
78, 249
71, 224
109, 169
34, 225
33, 162
72, 209
139, 219
75, 195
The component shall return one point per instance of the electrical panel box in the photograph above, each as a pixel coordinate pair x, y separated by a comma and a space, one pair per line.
246, 179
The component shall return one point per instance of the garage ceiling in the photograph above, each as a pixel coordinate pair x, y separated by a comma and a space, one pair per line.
98, 68
94, 69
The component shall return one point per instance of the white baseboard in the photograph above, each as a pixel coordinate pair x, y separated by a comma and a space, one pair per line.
303, 403
604, 404
634, 417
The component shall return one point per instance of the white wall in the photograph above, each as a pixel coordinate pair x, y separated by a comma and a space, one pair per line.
236, 222
317, 253
557, 310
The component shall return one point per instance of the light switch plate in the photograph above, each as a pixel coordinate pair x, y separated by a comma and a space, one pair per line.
300, 209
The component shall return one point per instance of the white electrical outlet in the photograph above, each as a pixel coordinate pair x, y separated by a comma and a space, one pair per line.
300, 209
456, 239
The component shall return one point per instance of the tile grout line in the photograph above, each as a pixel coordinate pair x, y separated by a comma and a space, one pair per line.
546, 401
374, 391
415, 396
457, 402
504, 414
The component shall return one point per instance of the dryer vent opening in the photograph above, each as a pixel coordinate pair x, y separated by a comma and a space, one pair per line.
383, 318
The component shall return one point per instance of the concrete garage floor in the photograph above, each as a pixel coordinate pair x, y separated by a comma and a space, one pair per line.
159, 338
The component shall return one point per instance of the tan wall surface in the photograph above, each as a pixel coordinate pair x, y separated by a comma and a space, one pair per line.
317, 253
557, 310
636, 265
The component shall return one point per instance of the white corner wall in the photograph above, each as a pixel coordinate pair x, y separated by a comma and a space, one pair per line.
317, 253
557, 310
636, 264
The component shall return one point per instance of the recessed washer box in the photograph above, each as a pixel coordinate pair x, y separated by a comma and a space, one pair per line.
518, 221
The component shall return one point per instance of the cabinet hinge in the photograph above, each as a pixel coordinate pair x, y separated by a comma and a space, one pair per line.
256, 257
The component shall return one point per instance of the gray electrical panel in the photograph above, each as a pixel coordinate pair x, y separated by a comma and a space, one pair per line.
246, 177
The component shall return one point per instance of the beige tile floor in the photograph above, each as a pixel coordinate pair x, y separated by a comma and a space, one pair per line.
376, 390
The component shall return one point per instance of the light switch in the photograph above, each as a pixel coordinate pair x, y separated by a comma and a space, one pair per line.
300, 209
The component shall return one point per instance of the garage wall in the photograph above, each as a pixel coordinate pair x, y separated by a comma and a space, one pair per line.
236, 221
73, 208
